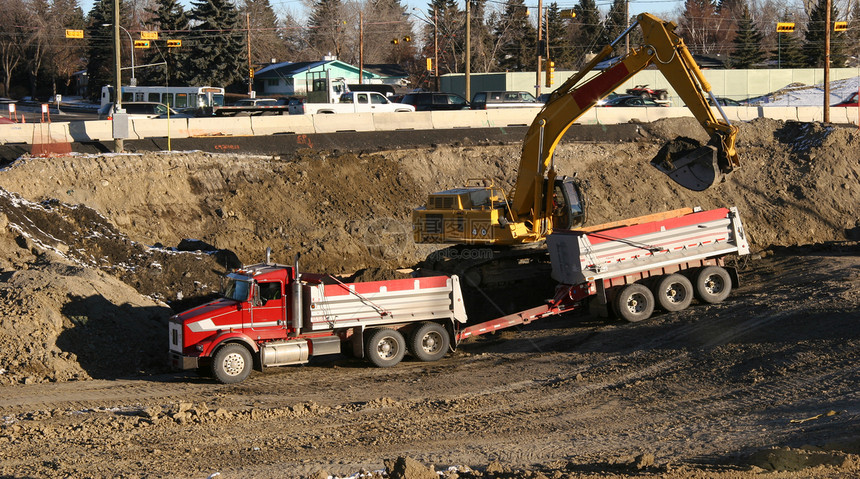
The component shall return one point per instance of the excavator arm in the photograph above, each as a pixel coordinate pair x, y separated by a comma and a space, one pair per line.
540, 202
696, 169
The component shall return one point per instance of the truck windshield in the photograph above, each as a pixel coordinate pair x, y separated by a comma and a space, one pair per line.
236, 289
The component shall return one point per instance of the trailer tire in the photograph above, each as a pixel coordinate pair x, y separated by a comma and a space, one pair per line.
673, 292
634, 303
385, 347
663, 95
232, 363
713, 284
429, 342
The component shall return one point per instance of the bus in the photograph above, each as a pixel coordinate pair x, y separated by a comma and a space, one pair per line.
178, 97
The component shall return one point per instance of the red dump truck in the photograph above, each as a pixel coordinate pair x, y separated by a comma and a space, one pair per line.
271, 315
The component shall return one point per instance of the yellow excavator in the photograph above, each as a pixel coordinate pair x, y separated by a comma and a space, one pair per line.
482, 214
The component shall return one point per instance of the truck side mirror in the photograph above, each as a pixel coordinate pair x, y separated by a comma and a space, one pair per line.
256, 298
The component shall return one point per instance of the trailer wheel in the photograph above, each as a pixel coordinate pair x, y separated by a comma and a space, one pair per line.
429, 342
674, 292
713, 284
385, 347
634, 303
663, 95
232, 363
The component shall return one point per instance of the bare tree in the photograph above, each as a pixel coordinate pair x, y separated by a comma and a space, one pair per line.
11, 54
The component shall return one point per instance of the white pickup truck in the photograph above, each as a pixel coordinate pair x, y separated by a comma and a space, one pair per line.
351, 102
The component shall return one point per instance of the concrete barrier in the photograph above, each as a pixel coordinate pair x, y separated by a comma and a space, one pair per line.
777, 112
333, 123
160, 128
94, 130
229, 126
419, 120
447, 120
502, 117
16, 133
282, 124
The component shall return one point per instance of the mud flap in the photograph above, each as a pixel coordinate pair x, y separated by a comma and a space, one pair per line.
689, 163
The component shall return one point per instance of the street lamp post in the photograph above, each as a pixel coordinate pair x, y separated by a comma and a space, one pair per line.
131, 45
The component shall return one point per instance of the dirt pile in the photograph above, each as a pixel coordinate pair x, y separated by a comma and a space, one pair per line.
70, 217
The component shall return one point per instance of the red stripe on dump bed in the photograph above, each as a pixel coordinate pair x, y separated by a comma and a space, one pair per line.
655, 226
391, 285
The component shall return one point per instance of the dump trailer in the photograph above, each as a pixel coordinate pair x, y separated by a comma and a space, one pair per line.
272, 315
633, 266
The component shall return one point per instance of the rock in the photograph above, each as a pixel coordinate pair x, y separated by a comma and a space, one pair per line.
643, 460
408, 468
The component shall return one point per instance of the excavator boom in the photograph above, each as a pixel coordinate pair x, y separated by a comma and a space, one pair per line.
540, 201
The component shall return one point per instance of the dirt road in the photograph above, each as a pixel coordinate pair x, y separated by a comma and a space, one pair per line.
699, 390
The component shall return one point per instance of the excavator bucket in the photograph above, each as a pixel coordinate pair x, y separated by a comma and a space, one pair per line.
689, 163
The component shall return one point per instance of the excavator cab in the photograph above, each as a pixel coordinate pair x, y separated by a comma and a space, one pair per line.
568, 207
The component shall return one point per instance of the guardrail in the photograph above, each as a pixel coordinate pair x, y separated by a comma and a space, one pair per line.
102, 130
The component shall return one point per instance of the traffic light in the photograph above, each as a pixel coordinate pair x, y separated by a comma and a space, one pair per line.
429, 64
840, 26
141, 44
174, 43
785, 27
407, 38
250, 72
395, 41
74, 33
550, 73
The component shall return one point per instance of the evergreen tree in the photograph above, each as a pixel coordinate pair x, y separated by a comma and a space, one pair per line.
169, 18
789, 51
451, 22
747, 43
379, 33
100, 62
556, 28
813, 45
218, 54
327, 33
586, 30
266, 40
616, 23
516, 38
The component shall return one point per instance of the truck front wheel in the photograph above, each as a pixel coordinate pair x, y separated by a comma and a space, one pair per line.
232, 363
385, 347
634, 303
429, 342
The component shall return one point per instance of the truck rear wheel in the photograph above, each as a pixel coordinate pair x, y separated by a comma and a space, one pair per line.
429, 342
634, 303
385, 347
232, 363
674, 292
713, 284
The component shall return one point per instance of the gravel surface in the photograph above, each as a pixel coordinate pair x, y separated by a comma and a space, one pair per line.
95, 257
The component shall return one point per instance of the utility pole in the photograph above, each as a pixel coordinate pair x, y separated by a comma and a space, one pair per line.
117, 142
361, 46
627, 19
468, 49
539, 52
827, 63
250, 68
436, 47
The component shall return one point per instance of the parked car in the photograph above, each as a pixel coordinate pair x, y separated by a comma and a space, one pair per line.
724, 102
649, 93
503, 99
630, 100
138, 109
433, 100
850, 101
261, 102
